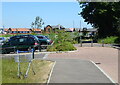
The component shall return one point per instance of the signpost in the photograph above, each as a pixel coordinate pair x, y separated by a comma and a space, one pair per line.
24, 58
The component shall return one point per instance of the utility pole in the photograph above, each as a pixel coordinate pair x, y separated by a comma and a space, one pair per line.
80, 24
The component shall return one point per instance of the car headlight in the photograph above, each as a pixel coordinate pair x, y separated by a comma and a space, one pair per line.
48, 40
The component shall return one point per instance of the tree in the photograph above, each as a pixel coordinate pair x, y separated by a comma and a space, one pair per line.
37, 23
102, 15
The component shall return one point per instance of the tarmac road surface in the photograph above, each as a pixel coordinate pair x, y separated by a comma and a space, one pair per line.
77, 71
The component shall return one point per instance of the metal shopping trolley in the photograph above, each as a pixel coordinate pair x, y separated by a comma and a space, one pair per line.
19, 58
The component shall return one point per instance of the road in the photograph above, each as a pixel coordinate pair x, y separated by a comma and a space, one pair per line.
77, 71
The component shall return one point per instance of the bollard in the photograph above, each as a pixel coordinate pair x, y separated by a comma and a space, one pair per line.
80, 41
39, 48
102, 43
91, 43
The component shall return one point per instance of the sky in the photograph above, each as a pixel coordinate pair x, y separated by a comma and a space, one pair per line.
22, 14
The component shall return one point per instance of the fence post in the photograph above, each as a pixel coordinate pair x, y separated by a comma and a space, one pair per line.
91, 42
39, 48
33, 53
80, 41
102, 43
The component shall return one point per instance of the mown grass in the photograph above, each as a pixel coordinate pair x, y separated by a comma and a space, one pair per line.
9, 71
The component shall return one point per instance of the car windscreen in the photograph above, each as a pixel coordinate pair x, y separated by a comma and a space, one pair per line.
47, 37
41, 37
22, 41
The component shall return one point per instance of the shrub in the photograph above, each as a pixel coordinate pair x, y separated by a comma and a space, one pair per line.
117, 40
108, 40
64, 46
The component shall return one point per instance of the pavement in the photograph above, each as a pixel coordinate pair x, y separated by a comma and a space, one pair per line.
93, 45
76, 67
77, 71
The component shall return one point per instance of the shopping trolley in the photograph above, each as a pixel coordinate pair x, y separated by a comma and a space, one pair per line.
19, 58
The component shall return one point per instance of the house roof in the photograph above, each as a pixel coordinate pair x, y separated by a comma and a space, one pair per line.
77, 29
37, 29
48, 26
57, 26
69, 29
6, 29
17, 29
91, 29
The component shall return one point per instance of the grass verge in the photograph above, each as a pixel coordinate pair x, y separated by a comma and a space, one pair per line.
41, 67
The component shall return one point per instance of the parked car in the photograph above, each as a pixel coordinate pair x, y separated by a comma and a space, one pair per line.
20, 42
44, 40
2, 40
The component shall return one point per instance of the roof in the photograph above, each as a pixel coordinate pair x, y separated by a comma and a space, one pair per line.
92, 30
77, 29
69, 29
57, 26
37, 29
6, 29
48, 25
17, 29
21, 29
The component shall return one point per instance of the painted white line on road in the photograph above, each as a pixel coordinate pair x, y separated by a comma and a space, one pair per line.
51, 73
104, 73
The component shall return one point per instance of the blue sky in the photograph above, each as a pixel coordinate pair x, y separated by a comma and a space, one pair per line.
22, 14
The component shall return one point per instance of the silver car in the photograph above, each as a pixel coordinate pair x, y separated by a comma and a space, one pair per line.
2, 40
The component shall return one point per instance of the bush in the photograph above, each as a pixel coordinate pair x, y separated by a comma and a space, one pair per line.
64, 46
63, 41
108, 40
117, 41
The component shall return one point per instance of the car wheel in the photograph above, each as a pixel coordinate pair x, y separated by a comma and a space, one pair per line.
43, 43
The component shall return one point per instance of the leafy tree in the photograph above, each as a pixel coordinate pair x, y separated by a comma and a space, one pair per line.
102, 15
37, 23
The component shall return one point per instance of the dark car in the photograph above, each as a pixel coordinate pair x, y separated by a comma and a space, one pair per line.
20, 42
44, 40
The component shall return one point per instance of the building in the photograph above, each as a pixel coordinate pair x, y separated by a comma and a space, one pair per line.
90, 31
2, 31
21, 30
35, 30
72, 29
69, 29
53, 28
